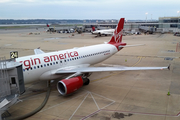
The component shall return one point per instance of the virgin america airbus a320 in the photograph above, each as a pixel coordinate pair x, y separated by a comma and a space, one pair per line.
74, 65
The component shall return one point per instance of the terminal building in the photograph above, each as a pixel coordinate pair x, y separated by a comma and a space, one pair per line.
164, 24
170, 24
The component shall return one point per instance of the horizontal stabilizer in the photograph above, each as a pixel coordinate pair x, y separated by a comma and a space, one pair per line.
38, 51
133, 45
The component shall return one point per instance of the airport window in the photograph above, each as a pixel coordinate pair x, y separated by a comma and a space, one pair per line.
173, 25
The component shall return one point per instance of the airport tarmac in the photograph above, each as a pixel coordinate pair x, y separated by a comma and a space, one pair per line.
130, 95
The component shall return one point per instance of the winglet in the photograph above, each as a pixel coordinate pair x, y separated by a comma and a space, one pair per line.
169, 66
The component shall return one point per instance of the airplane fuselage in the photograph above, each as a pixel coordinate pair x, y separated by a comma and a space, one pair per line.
42, 66
103, 32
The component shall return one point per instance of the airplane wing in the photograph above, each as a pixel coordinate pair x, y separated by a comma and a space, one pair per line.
106, 69
38, 51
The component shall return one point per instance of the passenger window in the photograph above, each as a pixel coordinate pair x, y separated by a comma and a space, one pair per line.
50, 63
37, 66
41, 65
47, 64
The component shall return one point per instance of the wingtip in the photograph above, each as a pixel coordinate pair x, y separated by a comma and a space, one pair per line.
169, 66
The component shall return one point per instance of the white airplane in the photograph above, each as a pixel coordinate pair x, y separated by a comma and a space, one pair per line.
72, 66
102, 32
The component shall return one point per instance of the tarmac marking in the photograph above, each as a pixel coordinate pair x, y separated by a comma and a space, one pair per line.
94, 101
99, 108
61, 103
86, 95
79, 106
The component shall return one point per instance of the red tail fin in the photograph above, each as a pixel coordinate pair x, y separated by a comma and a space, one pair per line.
93, 28
117, 36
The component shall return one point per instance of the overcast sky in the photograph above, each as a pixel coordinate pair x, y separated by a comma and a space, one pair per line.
88, 9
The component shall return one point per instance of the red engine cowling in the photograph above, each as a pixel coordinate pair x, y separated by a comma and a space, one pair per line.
68, 86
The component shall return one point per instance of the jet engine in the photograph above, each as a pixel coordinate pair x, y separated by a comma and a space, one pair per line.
67, 86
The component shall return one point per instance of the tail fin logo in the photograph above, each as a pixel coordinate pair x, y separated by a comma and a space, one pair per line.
118, 36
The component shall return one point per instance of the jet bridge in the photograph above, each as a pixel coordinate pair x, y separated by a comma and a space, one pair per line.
11, 83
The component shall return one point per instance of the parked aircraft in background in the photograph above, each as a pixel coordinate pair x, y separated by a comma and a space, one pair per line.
72, 66
102, 32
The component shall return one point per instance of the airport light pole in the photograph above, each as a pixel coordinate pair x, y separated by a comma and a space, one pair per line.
151, 17
146, 16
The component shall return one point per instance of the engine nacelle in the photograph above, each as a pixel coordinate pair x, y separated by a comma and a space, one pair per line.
67, 86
